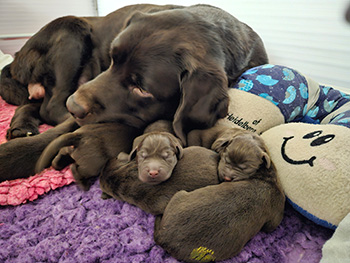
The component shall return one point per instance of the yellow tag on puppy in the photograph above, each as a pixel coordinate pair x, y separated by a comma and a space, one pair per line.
202, 254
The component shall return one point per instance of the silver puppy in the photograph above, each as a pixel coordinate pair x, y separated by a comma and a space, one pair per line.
196, 169
241, 152
215, 222
156, 154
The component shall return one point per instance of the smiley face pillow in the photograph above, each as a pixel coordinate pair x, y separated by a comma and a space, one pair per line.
312, 162
306, 127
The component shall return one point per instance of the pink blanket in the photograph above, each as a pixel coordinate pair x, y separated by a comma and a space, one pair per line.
16, 192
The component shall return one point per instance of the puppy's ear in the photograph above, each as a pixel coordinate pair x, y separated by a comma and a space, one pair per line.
220, 144
204, 100
177, 144
266, 159
180, 152
132, 154
135, 145
263, 149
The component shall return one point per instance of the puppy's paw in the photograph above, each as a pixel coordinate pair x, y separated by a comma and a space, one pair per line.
63, 158
13, 133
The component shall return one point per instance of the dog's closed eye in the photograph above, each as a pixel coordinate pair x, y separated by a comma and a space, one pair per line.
142, 154
168, 154
141, 92
228, 161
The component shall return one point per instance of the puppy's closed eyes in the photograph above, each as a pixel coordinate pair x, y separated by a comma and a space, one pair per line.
157, 154
241, 155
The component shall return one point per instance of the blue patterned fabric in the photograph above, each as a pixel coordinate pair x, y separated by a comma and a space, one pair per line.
289, 91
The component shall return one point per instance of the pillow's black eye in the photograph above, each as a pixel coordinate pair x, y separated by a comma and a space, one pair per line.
322, 140
312, 134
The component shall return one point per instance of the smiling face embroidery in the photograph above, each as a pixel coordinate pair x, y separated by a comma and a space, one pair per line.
317, 141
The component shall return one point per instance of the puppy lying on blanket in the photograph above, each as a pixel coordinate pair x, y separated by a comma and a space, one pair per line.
119, 179
88, 149
156, 155
241, 152
215, 222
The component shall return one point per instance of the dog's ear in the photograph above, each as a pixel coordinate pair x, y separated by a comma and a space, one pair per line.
24, 65
132, 154
263, 150
266, 159
177, 145
179, 152
136, 144
220, 144
204, 100
137, 15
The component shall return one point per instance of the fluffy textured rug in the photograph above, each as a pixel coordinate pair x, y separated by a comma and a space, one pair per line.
20, 191
69, 225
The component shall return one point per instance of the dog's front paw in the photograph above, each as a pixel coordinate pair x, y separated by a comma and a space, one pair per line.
13, 133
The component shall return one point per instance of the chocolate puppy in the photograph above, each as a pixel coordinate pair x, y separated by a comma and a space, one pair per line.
156, 154
119, 179
88, 148
215, 222
241, 152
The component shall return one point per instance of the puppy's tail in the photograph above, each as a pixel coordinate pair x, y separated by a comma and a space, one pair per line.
50, 152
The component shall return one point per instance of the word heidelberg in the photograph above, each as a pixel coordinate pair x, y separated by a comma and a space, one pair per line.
243, 124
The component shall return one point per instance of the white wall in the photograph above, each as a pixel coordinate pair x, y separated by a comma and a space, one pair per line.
310, 36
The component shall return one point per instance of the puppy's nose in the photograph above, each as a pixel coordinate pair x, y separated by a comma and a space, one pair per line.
74, 108
153, 173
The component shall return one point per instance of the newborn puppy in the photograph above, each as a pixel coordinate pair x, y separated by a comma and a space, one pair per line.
88, 149
241, 152
119, 179
215, 222
156, 155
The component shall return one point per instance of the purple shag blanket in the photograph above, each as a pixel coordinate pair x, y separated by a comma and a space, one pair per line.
70, 225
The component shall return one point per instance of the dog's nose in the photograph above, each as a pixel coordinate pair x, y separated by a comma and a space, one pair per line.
77, 110
153, 173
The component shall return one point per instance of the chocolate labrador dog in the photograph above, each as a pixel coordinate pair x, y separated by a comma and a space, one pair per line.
119, 179
88, 149
215, 222
64, 54
241, 152
175, 64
